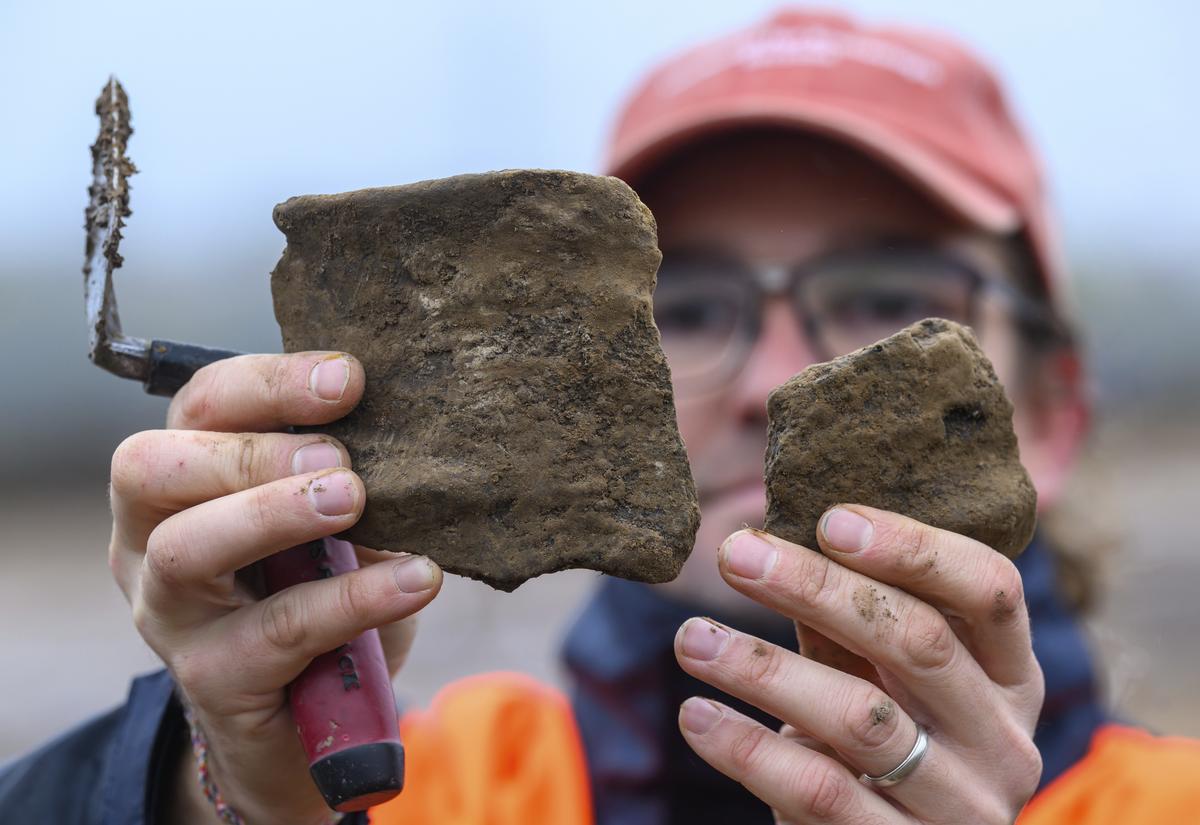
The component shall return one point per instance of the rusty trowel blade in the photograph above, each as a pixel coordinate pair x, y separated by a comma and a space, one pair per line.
108, 206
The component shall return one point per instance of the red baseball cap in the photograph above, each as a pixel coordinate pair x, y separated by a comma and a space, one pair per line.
917, 101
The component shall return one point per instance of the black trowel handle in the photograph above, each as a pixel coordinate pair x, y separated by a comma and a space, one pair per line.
172, 364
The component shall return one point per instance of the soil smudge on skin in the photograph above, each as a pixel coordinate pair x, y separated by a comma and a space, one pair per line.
871, 604
864, 603
1002, 607
930, 564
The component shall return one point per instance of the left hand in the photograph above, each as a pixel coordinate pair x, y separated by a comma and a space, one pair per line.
903, 624
215, 493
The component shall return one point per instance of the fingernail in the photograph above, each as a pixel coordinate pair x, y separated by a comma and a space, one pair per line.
333, 494
846, 531
329, 378
703, 639
413, 574
313, 457
699, 715
749, 556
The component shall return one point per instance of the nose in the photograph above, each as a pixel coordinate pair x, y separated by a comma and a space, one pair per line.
781, 351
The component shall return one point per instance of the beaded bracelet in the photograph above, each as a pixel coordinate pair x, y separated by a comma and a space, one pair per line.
200, 750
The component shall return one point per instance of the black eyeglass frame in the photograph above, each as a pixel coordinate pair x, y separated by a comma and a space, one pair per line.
767, 281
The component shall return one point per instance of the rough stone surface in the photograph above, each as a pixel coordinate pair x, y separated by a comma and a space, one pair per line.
518, 416
917, 424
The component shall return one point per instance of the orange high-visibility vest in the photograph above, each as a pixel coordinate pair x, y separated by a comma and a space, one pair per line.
1128, 777
503, 749
498, 749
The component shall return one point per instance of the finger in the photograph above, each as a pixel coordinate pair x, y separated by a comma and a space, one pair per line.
397, 639
793, 734
893, 630
192, 556
266, 645
256, 393
857, 719
159, 472
959, 575
822, 649
802, 786
368, 555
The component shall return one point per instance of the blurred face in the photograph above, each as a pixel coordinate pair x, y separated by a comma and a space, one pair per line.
780, 251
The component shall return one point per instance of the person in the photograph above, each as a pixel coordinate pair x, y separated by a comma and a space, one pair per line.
818, 183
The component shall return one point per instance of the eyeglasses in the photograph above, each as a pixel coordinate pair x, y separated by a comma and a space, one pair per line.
708, 306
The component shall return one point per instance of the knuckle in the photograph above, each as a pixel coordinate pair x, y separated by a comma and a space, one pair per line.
277, 378
748, 749
115, 567
1023, 760
144, 619
1006, 596
283, 623
870, 720
929, 643
353, 600
763, 666
186, 671
263, 512
120, 567
814, 581
194, 673
131, 464
197, 400
166, 557
245, 471
917, 545
825, 790
1035, 690
1029, 767
991, 809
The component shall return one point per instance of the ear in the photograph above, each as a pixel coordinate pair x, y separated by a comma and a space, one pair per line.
1052, 420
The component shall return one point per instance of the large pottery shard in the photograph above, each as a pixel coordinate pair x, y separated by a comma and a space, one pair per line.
917, 424
518, 416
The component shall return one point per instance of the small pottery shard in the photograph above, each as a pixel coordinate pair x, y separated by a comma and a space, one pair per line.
518, 416
917, 424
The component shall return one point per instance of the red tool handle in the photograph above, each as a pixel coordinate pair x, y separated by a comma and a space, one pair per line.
343, 704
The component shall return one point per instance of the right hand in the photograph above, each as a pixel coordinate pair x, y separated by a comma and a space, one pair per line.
218, 490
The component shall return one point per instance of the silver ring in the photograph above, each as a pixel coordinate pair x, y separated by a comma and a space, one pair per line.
896, 774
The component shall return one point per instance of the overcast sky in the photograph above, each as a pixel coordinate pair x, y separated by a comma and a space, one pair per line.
238, 105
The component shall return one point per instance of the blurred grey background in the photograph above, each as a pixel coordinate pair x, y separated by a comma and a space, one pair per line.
238, 106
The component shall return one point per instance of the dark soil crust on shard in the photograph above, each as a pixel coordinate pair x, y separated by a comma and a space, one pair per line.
518, 416
917, 424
